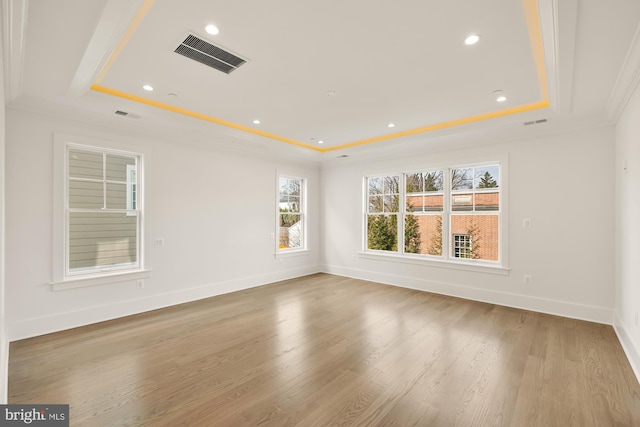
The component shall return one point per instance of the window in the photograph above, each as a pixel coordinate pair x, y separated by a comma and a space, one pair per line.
475, 211
424, 201
103, 216
291, 213
447, 214
382, 212
131, 190
462, 246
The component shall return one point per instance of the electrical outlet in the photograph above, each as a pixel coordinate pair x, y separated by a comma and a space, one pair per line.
526, 279
140, 283
159, 243
526, 223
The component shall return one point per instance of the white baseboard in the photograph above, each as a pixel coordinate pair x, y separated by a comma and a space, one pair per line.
541, 305
631, 348
44, 325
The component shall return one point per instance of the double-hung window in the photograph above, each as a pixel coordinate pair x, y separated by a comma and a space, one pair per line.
383, 210
448, 214
291, 214
103, 211
475, 212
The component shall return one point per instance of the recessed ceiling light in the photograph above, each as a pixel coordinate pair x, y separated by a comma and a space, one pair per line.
391, 125
472, 39
256, 122
331, 93
321, 142
212, 29
501, 98
147, 87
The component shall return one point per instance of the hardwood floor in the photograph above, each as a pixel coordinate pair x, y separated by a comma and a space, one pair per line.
325, 350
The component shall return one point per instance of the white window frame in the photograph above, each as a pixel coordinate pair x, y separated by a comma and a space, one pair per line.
132, 188
303, 249
446, 260
63, 278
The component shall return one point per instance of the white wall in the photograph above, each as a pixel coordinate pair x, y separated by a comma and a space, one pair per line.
216, 212
627, 220
563, 183
4, 339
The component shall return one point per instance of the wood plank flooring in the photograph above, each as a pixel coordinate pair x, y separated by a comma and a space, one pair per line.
325, 350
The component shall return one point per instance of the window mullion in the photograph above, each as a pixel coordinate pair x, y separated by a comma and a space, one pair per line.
104, 181
401, 212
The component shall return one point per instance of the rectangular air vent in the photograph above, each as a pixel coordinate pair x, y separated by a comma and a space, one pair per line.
126, 114
535, 122
213, 56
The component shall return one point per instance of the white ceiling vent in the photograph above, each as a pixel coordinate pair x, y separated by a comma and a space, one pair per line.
213, 56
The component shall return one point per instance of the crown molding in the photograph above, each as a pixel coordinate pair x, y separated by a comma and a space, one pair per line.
627, 80
114, 21
14, 22
559, 50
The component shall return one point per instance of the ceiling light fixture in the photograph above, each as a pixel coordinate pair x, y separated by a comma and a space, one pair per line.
212, 29
321, 142
472, 39
256, 122
500, 96
391, 125
147, 88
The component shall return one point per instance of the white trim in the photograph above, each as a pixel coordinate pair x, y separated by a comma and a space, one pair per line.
114, 22
130, 185
507, 299
503, 213
289, 253
303, 214
103, 279
548, 12
88, 315
559, 76
631, 349
433, 261
60, 274
627, 81
14, 17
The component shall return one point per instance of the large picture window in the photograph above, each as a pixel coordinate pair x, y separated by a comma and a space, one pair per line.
447, 214
291, 213
103, 216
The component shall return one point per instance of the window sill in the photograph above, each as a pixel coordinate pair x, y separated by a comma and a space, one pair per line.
103, 279
292, 253
454, 265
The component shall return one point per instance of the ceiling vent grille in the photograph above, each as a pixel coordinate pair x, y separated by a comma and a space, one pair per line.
213, 56
535, 122
126, 114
